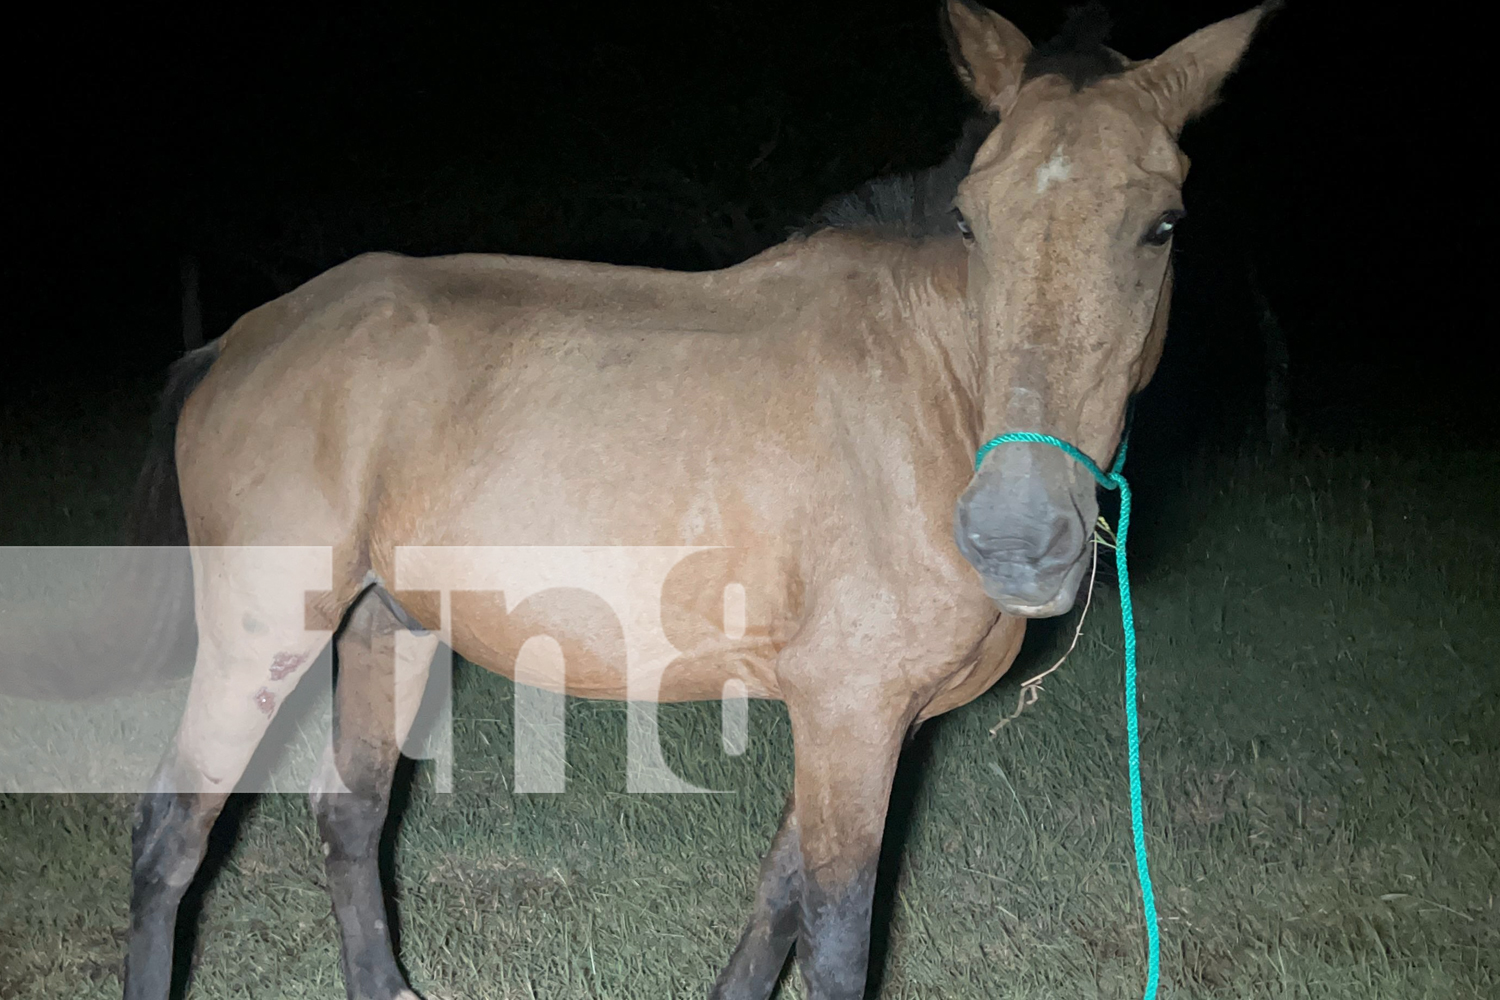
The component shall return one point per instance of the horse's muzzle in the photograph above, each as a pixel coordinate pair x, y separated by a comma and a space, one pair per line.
1024, 524
1031, 570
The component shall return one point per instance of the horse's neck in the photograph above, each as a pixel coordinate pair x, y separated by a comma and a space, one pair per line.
940, 334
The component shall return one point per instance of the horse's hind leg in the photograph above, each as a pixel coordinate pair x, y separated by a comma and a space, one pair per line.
758, 959
375, 700
250, 656
171, 830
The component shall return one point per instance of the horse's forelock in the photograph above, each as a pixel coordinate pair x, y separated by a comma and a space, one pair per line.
1077, 53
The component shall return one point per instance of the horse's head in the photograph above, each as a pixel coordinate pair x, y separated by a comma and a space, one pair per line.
1068, 213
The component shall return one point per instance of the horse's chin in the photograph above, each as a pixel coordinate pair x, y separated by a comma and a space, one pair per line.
1059, 605
1028, 606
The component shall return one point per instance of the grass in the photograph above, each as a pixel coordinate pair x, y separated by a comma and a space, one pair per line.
1319, 712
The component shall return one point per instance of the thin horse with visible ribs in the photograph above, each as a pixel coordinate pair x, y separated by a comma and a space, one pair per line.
808, 418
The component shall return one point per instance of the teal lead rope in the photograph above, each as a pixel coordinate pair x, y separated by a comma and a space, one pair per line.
1114, 480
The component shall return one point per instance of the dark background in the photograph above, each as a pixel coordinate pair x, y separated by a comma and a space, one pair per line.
1344, 165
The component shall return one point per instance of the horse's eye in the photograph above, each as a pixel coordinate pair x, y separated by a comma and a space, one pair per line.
1160, 233
963, 226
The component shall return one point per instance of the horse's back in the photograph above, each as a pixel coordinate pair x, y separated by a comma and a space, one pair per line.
481, 400
472, 365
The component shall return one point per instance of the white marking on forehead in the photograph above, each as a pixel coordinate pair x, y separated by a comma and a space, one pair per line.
1056, 169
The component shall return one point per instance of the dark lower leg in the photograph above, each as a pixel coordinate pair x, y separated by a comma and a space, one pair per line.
833, 949
845, 763
759, 957
167, 846
350, 822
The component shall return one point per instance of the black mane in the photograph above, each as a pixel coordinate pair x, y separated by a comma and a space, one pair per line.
912, 205
1077, 53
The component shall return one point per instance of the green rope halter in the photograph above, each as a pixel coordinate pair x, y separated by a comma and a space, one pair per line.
1114, 480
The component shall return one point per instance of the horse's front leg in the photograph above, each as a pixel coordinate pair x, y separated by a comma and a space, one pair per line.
847, 745
758, 959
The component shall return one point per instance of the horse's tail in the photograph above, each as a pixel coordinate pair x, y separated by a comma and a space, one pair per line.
101, 622
155, 516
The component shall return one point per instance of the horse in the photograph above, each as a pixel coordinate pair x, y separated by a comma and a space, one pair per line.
804, 422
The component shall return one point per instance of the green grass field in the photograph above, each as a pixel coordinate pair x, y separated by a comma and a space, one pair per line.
1320, 637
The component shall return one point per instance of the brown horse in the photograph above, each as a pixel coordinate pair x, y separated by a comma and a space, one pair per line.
808, 418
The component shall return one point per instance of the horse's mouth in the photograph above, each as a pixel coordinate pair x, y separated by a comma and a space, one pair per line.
1034, 603
1058, 606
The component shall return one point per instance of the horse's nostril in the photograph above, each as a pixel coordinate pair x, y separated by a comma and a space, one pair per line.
1004, 550
1052, 546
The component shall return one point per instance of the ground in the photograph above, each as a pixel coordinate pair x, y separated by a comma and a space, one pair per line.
1319, 722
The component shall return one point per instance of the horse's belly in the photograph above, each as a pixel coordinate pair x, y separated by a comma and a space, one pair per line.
571, 666
638, 623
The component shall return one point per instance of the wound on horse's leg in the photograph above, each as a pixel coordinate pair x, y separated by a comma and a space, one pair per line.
221, 727
248, 640
755, 966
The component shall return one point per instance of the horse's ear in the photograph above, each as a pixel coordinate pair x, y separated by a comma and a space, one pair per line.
988, 52
1184, 81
